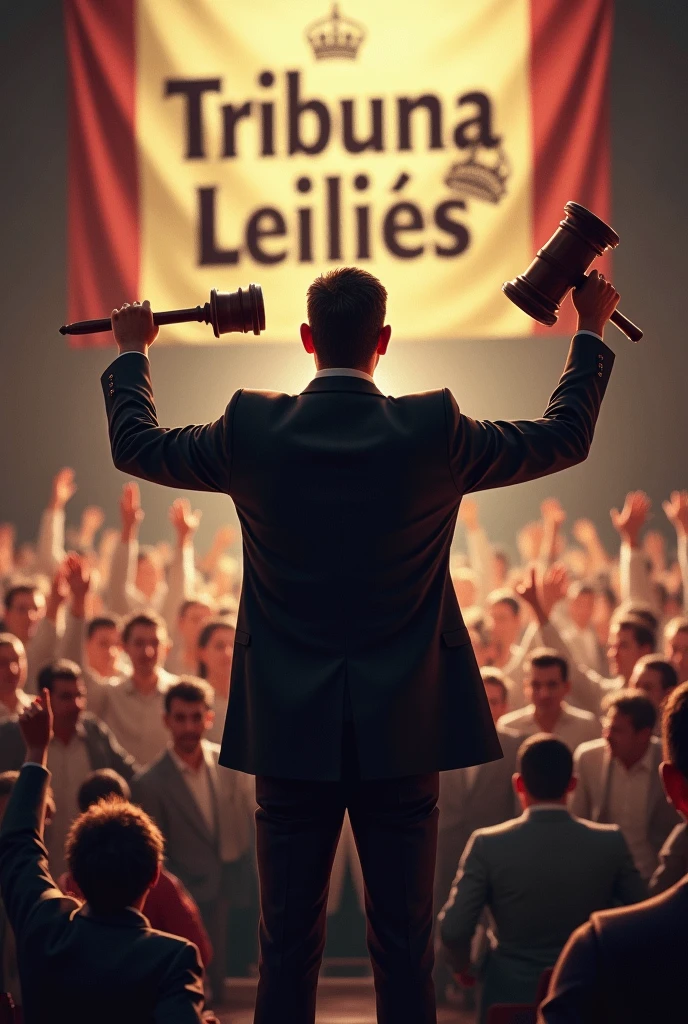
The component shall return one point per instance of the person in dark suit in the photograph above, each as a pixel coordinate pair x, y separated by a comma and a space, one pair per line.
99, 961
628, 966
353, 679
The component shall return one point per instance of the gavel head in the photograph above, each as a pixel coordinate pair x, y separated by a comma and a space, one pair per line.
240, 311
561, 264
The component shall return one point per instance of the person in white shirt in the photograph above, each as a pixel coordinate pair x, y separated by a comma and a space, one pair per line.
13, 670
214, 652
676, 645
579, 633
656, 678
546, 686
618, 778
510, 644
134, 708
192, 616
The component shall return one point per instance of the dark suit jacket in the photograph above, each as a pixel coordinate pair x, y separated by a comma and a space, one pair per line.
624, 966
347, 501
75, 965
103, 749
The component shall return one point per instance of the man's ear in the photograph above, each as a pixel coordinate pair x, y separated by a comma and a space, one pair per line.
517, 783
675, 786
307, 338
573, 782
382, 339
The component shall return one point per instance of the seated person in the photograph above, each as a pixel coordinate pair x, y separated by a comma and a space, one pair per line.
627, 966
99, 961
537, 875
169, 907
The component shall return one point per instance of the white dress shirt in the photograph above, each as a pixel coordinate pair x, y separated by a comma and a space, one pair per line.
343, 371
627, 807
199, 785
136, 718
69, 765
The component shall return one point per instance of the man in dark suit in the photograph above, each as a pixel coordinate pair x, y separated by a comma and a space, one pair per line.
628, 966
353, 680
100, 961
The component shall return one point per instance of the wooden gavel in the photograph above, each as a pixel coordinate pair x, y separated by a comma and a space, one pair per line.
562, 264
240, 311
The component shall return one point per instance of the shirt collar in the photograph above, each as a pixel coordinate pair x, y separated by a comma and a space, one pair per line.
183, 767
644, 764
343, 371
547, 807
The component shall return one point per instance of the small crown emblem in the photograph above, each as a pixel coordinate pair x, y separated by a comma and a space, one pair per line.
335, 37
478, 180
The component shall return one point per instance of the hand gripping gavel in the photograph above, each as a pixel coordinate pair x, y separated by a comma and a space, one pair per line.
240, 311
562, 264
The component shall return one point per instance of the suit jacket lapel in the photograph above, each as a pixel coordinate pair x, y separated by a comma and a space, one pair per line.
186, 805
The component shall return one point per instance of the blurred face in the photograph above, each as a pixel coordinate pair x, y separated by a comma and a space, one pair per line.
649, 680
12, 667
217, 655
677, 653
102, 650
26, 611
545, 688
147, 648
581, 609
192, 622
147, 575
188, 721
504, 626
627, 745
68, 701
496, 700
623, 651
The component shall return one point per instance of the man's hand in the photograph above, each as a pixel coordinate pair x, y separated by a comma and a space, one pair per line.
58, 593
36, 726
676, 511
468, 514
184, 521
585, 532
553, 587
552, 512
78, 577
63, 489
133, 327
130, 510
92, 518
632, 517
595, 302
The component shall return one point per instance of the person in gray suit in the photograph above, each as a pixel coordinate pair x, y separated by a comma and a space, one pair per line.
618, 778
673, 861
204, 812
628, 966
540, 876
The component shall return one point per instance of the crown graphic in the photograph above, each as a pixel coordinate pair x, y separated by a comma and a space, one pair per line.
480, 180
335, 37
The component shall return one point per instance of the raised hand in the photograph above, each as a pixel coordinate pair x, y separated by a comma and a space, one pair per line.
78, 579
468, 513
184, 521
133, 327
130, 510
552, 512
92, 518
676, 511
59, 592
632, 517
527, 590
585, 532
7, 536
595, 301
529, 541
36, 726
553, 587
63, 489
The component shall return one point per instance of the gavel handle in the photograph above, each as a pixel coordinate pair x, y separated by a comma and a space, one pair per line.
169, 316
626, 326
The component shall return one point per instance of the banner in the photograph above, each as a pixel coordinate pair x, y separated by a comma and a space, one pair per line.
215, 143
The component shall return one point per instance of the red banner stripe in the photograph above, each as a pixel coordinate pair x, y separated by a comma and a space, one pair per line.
102, 196
570, 53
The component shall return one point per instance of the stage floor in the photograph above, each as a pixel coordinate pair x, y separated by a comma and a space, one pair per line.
340, 1001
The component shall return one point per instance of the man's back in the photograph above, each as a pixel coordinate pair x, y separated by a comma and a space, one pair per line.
76, 965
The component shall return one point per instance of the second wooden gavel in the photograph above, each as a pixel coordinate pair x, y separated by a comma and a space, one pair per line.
562, 264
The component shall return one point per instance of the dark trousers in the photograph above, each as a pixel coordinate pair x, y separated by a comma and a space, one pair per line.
394, 822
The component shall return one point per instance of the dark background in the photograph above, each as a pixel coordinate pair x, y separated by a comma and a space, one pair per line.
51, 407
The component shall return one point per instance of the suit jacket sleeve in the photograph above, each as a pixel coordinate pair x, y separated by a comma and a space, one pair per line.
572, 994
195, 457
673, 861
181, 990
469, 894
28, 889
581, 804
485, 454
115, 755
629, 887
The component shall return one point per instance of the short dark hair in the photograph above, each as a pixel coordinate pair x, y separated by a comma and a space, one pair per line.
675, 729
113, 851
190, 602
496, 677
99, 785
346, 312
8, 781
667, 672
640, 610
60, 669
100, 622
642, 634
190, 689
635, 704
504, 596
18, 588
547, 657
147, 618
579, 587
546, 766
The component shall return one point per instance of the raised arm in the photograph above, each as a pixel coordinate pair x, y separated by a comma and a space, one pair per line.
676, 511
486, 454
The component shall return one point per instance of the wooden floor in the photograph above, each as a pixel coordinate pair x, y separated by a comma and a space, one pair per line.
340, 1001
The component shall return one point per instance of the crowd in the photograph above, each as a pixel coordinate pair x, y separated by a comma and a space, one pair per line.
579, 649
